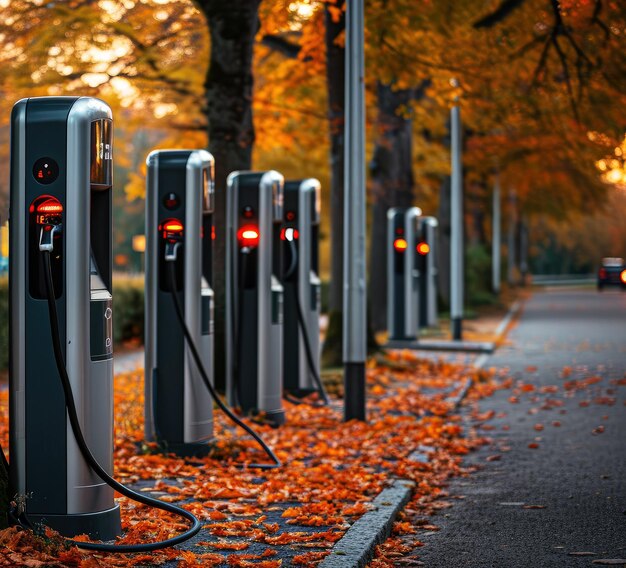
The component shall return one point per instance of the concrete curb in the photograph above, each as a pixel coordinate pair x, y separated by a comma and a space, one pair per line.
508, 318
435, 345
356, 548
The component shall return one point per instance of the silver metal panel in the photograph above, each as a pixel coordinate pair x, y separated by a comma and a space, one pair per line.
18, 291
271, 376
198, 405
391, 316
354, 237
83, 487
496, 239
232, 205
151, 270
411, 274
430, 225
308, 281
270, 367
89, 496
457, 270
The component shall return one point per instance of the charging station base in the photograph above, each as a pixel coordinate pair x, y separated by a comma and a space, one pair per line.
103, 525
274, 419
301, 393
182, 450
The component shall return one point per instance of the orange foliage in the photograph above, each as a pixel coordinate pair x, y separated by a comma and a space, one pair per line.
332, 470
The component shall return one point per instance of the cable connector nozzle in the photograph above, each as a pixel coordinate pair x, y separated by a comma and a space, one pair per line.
46, 237
171, 249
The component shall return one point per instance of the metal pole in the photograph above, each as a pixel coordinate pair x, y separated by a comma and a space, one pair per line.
354, 289
496, 241
456, 227
511, 245
523, 250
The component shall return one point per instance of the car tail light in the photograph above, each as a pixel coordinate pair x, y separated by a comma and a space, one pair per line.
622, 276
602, 273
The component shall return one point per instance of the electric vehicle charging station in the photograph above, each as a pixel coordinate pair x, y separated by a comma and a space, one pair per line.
301, 232
427, 250
403, 273
254, 295
179, 221
60, 204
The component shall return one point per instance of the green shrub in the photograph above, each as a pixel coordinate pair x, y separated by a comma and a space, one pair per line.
128, 308
478, 277
128, 312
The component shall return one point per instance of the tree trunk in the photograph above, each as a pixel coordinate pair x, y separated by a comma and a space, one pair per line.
5, 494
392, 183
228, 85
335, 85
476, 199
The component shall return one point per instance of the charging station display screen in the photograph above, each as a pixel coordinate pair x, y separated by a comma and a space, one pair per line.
101, 154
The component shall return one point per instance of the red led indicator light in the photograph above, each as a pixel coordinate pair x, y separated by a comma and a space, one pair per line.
400, 245
248, 236
290, 216
173, 226
50, 206
423, 248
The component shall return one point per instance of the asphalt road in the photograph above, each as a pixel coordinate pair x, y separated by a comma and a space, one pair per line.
534, 507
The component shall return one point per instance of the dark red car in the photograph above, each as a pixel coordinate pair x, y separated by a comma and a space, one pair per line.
612, 272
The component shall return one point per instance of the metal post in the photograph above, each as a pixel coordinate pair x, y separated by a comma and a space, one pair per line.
496, 237
456, 227
523, 250
354, 288
511, 245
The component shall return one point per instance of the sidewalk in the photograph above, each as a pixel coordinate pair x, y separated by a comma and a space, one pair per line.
333, 473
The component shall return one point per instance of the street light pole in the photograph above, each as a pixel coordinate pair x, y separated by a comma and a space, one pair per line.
354, 288
456, 225
512, 245
496, 239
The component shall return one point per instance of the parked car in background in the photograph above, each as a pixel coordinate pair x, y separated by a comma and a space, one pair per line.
612, 272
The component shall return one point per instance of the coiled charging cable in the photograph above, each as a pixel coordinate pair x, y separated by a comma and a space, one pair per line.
305, 336
170, 258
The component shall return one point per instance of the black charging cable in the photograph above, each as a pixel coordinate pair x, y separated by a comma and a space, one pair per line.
89, 457
303, 329
171, 271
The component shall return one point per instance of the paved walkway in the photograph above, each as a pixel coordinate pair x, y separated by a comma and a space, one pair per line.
552, 487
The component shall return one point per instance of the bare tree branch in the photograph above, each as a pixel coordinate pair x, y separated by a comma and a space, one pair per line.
501, 13
566, 75
281, 45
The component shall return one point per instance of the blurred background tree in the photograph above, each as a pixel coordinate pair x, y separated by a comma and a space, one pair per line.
541, 86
